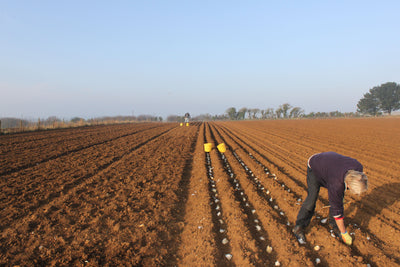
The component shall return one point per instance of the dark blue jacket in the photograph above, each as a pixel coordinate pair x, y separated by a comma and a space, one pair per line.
330, 169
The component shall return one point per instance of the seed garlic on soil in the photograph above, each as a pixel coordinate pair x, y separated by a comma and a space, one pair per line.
228, 256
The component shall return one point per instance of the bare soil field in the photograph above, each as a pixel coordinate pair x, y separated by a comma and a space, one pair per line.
149, 195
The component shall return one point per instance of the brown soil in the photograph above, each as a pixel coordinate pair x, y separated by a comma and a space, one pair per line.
148, 194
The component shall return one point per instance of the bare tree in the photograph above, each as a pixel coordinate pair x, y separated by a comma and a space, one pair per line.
263, 114
284, 108
249, 112
296, 112
279, 112
242, 113
254, 112
270, 113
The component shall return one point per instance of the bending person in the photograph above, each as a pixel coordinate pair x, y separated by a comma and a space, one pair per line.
338, 174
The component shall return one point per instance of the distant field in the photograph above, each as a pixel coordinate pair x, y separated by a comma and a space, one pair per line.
147, 194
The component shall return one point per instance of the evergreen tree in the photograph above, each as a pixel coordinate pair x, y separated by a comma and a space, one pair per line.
369, 104
385, 98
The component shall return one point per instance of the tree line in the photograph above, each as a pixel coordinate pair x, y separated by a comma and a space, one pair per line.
283, 111
380, 99
55, 122
377, 101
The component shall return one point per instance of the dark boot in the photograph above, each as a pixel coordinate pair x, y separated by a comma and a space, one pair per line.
298, 231
334, 228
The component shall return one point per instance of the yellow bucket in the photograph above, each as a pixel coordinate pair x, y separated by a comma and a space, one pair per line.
221, 148
187, 124
207, 147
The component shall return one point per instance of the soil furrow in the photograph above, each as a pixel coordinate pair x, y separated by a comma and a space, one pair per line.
243, 246
198, 242
15, 213
105, 220
252, 221
268, 206
324, 196
11, 167
364, 254
154, 197
364, 211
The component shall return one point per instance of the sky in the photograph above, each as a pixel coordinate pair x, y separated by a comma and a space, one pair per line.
106, 58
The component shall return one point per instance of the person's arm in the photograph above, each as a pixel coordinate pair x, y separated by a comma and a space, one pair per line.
345, 235
340, 224
336, 196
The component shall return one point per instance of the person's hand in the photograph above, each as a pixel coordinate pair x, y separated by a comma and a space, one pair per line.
347, 238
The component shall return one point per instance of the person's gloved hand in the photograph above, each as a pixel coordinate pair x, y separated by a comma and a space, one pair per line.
347, 238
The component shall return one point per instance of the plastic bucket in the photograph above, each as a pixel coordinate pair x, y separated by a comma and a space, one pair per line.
207, 147
221, 148
187, 124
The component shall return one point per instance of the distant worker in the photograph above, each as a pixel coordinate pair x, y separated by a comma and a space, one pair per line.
338, 174
187, 117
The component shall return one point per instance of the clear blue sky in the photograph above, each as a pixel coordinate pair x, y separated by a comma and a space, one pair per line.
96, 58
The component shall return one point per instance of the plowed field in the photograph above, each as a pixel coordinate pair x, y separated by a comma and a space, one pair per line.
148, 195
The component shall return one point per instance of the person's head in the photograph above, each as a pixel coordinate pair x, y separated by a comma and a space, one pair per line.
356, 182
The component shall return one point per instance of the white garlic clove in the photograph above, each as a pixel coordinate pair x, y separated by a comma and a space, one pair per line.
228, 256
